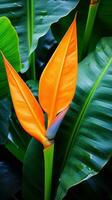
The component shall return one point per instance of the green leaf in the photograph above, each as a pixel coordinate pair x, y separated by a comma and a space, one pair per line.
32, 20
33, 172
48, 13
16, 12
86, 134
95, 188
15, 150
33, 85
102, 26
65, 22
103, 23
9, 46
105, 14
5, 111
12, 135
89, 27
18, 139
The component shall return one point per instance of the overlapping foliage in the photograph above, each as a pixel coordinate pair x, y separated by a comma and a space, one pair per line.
83, 142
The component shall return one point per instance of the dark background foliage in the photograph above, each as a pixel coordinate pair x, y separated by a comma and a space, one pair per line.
96, 188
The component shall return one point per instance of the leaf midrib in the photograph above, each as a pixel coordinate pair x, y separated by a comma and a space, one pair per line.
82, 113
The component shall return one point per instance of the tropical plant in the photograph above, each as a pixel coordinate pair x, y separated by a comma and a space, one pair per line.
82, 145
61, 89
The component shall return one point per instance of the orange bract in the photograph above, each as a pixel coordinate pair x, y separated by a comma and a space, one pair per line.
26, 107
56, 90
58, 80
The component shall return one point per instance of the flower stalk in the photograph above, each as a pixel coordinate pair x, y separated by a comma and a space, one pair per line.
48, 168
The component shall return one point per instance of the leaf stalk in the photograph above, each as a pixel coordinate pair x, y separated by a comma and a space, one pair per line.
30, 28
89, 26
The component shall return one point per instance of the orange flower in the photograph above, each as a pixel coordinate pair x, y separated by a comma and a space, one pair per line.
58, 80
56, 89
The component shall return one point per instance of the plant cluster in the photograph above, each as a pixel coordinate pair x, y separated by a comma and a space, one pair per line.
55, 95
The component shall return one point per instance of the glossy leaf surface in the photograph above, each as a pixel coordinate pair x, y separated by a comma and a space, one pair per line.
87, 129
48, 13
33, 188
60, 75
102, 25
32, 19
26, 107
95, 188
9, 45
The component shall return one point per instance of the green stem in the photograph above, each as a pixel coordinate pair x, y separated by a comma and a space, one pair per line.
48, 165
30, 28
32, 64
89, 26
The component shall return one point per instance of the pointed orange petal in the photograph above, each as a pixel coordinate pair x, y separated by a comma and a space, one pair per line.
28, 110
58, 80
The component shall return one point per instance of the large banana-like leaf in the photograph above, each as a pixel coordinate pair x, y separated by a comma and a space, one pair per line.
84, 141
9, 46
33, 18
33, 174
86, 134
16, 12
95, 188
46, 13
